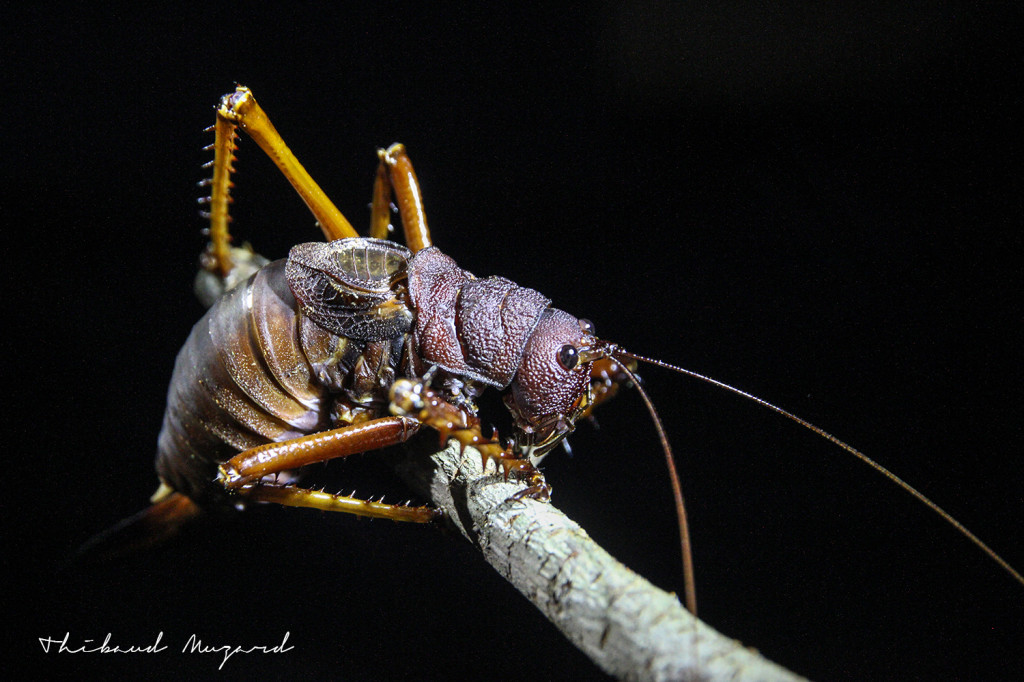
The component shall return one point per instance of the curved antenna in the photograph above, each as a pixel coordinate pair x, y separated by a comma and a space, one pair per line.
850, 449
689, 583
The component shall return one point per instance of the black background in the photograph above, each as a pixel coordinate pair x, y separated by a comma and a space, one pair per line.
820, 206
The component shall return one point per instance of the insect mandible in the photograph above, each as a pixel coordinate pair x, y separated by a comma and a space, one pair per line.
357, 343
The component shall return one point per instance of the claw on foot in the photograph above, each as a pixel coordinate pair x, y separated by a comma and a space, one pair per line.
229, 477
417, 400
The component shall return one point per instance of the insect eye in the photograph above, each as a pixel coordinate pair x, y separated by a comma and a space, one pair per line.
587, 326
568, 356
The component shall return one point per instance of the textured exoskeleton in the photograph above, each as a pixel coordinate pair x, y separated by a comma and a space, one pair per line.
353, 344
316, 341
357, 343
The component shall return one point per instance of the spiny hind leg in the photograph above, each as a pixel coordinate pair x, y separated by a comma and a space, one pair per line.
219, 259
224, 266
248, 472
239, 109
396, 178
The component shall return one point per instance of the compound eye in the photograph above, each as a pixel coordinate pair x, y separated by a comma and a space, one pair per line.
568, 356
587, 326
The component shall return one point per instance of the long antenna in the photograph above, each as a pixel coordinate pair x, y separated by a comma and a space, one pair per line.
845, 446
689, 583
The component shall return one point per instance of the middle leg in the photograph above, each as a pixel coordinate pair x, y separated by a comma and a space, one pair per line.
248, 473
254, 464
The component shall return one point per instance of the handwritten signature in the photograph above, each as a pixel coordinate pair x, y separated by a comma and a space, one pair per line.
194, 645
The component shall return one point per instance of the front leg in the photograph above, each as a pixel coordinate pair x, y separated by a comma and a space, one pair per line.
606, 376
414, 399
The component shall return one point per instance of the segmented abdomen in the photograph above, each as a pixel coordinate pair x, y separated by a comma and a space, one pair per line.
242, 379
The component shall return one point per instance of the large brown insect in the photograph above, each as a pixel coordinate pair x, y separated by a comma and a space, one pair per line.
356, 343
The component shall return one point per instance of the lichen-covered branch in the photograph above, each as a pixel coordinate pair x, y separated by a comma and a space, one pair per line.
627, 626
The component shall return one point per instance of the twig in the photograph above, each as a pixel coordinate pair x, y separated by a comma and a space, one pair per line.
624, 624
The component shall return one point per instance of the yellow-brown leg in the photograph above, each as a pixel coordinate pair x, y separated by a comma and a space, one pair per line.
220, 257
252, 465
396, 177
411, 398
291, 496
223, 266
248, 473
380, 208
606, 376
240, 109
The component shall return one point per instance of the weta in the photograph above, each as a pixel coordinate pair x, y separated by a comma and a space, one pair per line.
357, 343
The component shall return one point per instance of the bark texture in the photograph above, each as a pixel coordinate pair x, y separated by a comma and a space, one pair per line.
627, 626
